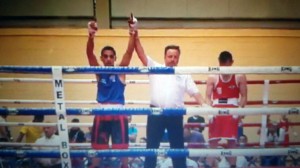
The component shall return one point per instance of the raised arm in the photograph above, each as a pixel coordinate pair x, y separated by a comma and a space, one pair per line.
209, 89
139, 49
92, 28
243, 90
128, 54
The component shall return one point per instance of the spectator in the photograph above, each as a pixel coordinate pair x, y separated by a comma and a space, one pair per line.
241, 161
193, 136
5, 135
197, 119
240, 127
276, 135
284, 126
31, 133
76, 135
51, 139
88, 135
167, 163
132, 130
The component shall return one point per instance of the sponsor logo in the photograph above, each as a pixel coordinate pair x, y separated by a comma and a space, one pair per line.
12, 111
156, 111
292, 151
20, 153
91, 153
293, 111
213, 69
226, 153
85, 111
286, 69
70, 69
223, 111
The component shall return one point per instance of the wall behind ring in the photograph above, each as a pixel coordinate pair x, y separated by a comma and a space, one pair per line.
200, 47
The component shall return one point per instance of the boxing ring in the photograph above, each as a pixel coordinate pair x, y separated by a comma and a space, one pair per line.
65, 149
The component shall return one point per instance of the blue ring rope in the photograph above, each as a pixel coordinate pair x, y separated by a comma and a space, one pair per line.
95, 153
95, 111
150, 152
88, 70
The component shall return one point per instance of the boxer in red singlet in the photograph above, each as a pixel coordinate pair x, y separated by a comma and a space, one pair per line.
225, 91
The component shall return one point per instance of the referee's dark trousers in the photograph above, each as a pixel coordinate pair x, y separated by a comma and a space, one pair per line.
156, 125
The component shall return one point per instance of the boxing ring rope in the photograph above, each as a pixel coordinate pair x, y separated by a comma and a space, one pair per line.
153, 152
60, 111
186, 125
153, 111
143, 145
198, 82
140, 102
154, 70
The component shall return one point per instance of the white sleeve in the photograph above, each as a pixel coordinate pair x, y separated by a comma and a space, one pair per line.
151, 62
191, 87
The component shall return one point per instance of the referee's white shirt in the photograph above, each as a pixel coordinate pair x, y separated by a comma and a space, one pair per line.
167, 91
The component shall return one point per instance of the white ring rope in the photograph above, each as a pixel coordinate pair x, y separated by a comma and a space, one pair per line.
42, 80
238, 70
87, 145
55, 124
136, 81
140, 102
15, 101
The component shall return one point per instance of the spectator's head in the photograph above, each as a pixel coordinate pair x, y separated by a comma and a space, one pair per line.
4, 116
225, 59
197, 120
38, 118
172, 54
49, 131
273, 127
108, 56
243, 140
75, 120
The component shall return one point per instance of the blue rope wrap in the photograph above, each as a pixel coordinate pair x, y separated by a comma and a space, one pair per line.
96, 153
88, 70
95, 111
